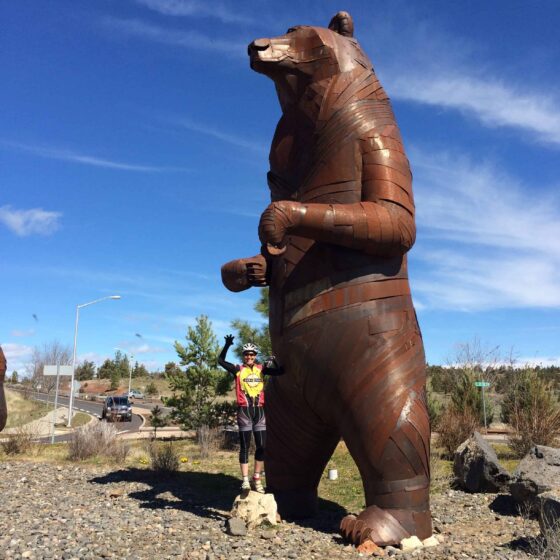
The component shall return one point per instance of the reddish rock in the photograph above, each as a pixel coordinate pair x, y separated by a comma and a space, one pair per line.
369, 547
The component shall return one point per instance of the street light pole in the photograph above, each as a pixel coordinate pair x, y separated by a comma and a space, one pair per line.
130, 374
78, 307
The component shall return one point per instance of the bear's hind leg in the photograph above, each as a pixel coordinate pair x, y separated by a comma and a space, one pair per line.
388, 435
298, 448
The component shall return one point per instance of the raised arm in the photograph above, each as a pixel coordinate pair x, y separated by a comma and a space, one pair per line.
229, 367
382, 224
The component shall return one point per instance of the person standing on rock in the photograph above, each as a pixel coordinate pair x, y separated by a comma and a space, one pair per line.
249, 390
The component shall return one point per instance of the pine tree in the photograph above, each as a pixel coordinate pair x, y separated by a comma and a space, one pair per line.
257, 335
196, 389
115, 379
85, 371
157, 420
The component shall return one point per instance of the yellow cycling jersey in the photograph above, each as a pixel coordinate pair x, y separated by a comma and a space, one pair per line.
249, 382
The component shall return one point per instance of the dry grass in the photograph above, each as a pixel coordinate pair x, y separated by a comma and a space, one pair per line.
97, 439
21, 410
454, 428
80, 419
21, 441
534, 424
507, 457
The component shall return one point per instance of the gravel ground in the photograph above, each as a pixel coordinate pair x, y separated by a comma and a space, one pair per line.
83, 512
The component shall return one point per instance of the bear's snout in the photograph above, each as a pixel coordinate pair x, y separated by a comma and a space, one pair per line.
258, 45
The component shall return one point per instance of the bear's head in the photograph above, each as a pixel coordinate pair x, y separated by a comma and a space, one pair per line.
306, 55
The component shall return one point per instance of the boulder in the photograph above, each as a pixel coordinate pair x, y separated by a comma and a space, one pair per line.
255, 508
549, 512
369, 548
411, 543
476, 467
236, 527
430, 541
538, 472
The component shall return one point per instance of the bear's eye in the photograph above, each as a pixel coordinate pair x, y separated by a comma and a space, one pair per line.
291, 30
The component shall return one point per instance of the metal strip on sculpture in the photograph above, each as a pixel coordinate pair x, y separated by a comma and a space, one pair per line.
342, 323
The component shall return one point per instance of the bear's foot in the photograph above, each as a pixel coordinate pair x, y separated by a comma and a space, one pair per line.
375, 524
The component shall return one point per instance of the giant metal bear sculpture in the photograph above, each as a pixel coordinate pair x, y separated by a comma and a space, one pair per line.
3, 409
342, 321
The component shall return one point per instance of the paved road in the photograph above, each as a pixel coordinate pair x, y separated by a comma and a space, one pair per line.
89, 407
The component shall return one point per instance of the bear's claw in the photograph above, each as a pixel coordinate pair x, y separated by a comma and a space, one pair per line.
374, 524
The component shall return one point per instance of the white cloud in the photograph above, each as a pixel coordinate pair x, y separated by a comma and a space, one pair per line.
543, 361
189, 39
146, 349
94, 357
228, 138
194, 8
492, 102
18, 356
485, 240
22, 333
29, 222
421, 63
74, 157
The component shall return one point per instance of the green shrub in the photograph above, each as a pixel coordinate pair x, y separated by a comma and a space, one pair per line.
151, 389
466, 396
164, 458
434, 409
533, 411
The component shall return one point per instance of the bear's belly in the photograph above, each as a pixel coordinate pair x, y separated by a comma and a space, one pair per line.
314, 278
331, 359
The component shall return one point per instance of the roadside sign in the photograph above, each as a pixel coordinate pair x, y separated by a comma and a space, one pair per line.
482, 384
51, 370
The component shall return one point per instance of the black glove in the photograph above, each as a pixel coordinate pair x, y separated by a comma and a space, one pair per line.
229, 339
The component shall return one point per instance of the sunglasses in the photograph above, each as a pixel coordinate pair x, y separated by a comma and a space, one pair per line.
250, 354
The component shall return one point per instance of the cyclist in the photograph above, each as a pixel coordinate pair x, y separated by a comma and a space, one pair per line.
249, 390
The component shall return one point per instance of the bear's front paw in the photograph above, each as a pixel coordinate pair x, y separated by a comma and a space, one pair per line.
240, 274
277, 220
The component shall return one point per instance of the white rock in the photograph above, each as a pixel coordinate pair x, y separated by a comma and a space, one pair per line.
254, 508
430, 541
412, 543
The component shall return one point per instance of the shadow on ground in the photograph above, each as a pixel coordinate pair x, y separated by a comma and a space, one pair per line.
504, 504
204, 494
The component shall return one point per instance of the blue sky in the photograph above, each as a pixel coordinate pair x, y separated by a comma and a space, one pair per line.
133, 157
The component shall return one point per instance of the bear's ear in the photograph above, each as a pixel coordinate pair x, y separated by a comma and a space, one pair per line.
342, 24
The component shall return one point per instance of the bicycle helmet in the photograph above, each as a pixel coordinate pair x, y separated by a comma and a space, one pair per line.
250, 347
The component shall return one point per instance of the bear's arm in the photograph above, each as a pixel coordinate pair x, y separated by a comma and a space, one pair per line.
382, 224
